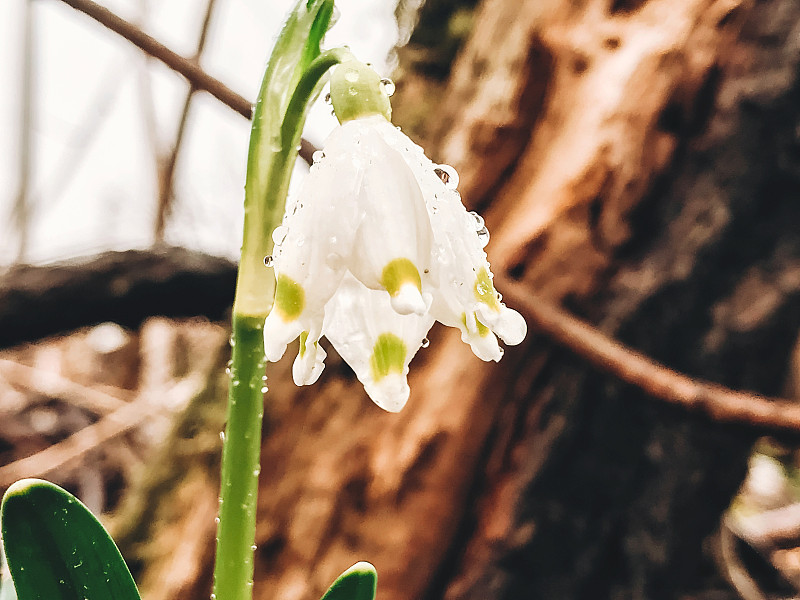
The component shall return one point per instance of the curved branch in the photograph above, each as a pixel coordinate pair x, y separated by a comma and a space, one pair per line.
716, 401
190, 69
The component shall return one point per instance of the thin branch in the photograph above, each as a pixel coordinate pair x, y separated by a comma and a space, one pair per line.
718, 402
186, 67
47, 383
167, 170
67, 451
22, 204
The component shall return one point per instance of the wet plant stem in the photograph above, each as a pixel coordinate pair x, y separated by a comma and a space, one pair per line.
294, 77
233, 571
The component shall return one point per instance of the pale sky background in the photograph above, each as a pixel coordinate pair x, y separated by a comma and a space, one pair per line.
98, 191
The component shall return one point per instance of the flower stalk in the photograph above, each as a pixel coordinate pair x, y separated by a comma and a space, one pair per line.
293, 79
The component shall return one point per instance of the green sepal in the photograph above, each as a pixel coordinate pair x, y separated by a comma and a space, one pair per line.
57, 550
359, 582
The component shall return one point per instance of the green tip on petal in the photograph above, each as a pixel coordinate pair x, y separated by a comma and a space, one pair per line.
289, 298
399, 272
484, 290
483, 330
388, 356
357, 91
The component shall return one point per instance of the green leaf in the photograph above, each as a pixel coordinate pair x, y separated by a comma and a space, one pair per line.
57, 550
359, 582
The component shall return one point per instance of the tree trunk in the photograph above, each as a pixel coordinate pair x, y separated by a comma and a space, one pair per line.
637, 161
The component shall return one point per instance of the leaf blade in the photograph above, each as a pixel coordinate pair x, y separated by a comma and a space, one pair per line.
57, 550
359, 582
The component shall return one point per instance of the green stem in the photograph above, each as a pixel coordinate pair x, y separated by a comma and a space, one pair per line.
292, 81
233, 571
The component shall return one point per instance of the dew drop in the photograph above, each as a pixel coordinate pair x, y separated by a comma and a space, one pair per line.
264, 389
268, 260
388, 86
216, 520
279, 234
318, 156
478, 220
301, 240
425, 342
334, 261
222, 435
351, 76
448, 175
483, 237
253, 547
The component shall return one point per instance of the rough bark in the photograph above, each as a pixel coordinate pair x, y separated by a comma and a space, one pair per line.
637, 161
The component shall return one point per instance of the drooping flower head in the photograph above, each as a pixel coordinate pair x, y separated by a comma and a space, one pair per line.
375, 248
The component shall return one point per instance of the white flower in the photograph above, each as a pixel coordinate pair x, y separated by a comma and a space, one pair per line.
376, 247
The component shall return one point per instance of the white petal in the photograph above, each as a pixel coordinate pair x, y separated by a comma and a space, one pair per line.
395, 227
319, 225
460, 263
359, 322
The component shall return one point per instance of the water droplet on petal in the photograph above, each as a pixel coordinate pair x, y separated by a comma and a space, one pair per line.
268, 260
318, 156
279, 234
388, 86
351, 76
425, 342
448, 175
478, 220
483, 237
264, 389
301, 240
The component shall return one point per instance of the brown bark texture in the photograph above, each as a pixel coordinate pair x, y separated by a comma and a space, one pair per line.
638, 162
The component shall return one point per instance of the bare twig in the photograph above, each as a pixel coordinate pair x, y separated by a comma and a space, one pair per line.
53, 385
22, 203
167, 169
76, 446
718, 402
188, 68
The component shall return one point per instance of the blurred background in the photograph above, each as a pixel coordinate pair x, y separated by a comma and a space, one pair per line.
638, 164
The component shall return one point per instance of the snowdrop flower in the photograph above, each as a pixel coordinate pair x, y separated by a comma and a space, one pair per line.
376, 247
